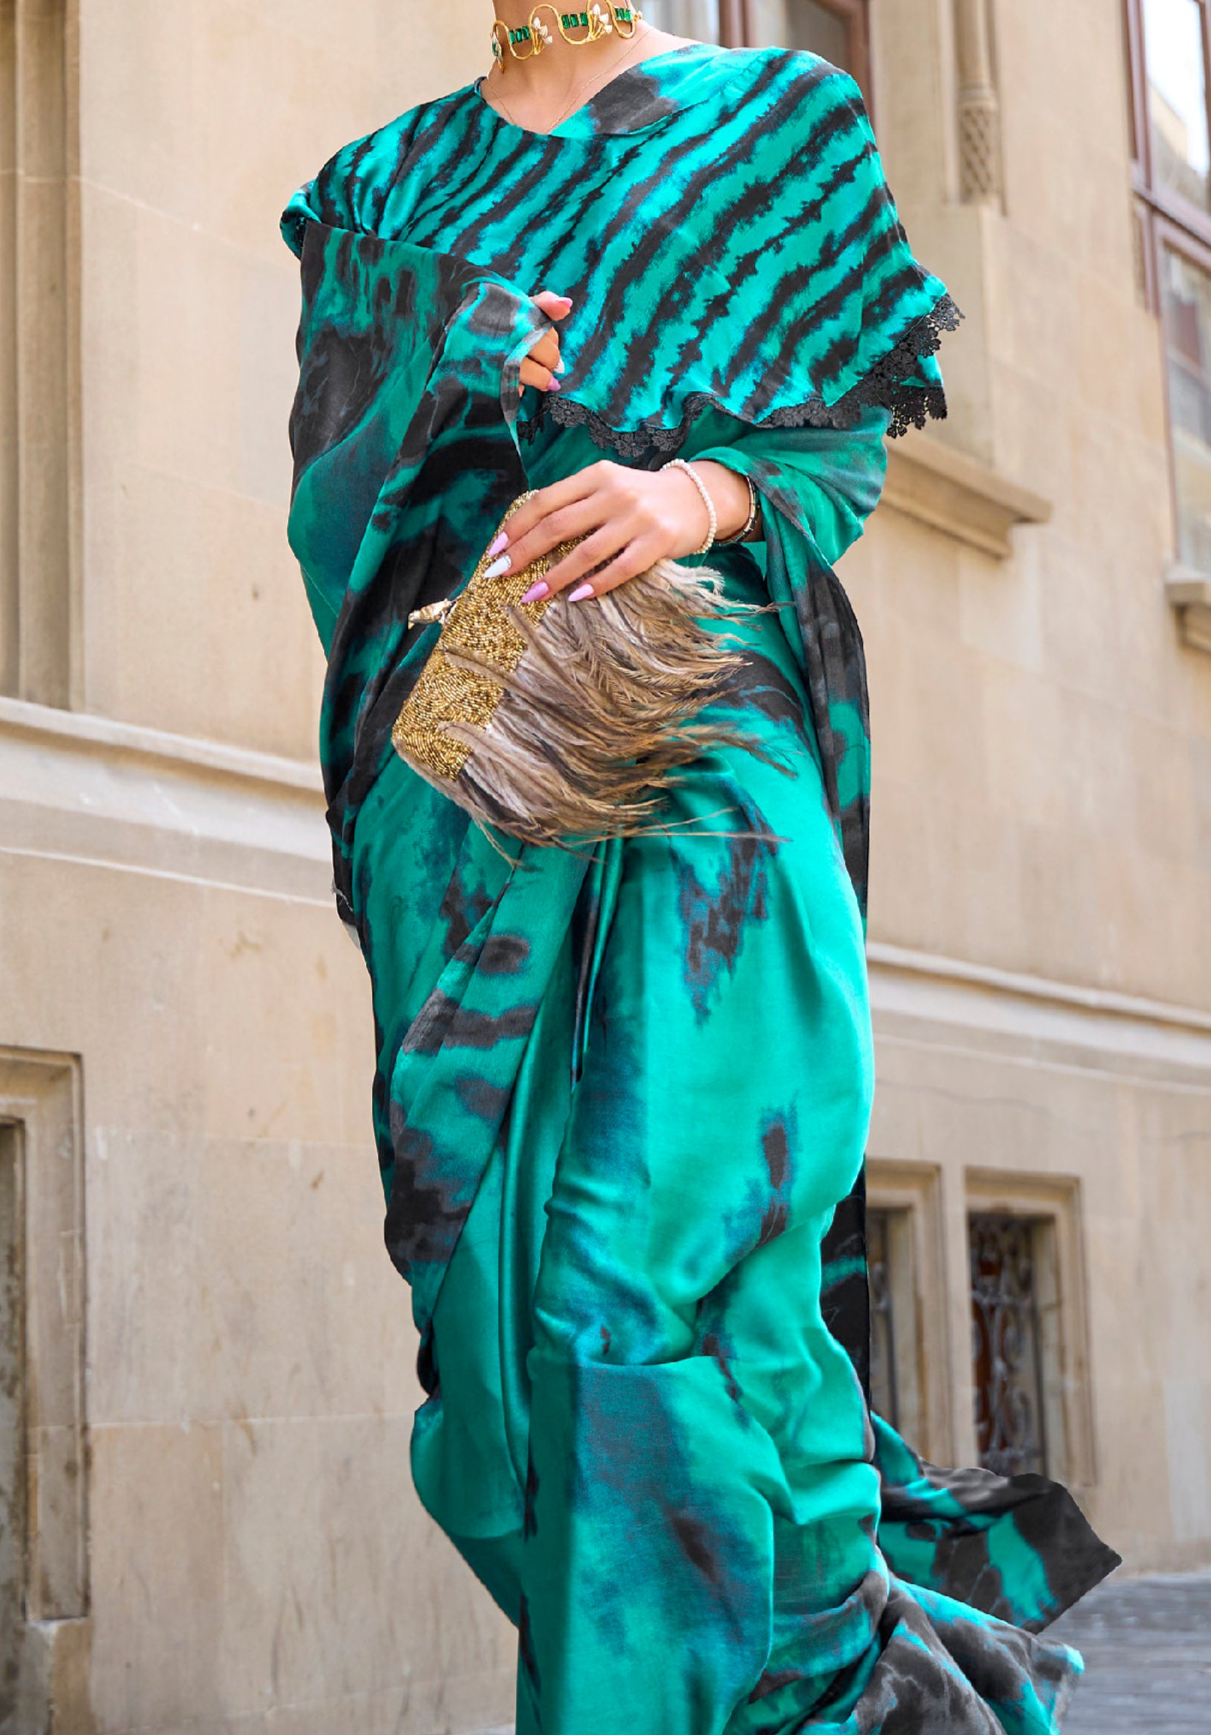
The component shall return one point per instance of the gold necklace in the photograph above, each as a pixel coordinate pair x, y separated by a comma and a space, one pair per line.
529, 39
584, 84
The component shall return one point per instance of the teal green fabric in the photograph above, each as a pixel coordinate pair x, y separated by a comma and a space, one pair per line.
622, 1091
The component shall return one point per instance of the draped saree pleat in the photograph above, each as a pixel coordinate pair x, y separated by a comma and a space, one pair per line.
622, 1090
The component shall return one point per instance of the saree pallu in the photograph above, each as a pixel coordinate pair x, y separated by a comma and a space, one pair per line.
622, 1091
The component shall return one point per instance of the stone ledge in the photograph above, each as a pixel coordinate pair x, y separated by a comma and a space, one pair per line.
1037, 1018
944, 488
82, 732
87, 789
1189, 593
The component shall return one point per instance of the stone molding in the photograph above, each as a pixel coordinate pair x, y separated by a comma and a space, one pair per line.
1124, 1032
940, 486
89, 788
18, 718
1189, 593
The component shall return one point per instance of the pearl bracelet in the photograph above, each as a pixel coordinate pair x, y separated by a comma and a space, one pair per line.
696, 479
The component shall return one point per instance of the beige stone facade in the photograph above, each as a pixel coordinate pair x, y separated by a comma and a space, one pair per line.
206, 1516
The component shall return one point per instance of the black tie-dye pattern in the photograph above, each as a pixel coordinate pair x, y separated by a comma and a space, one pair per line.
621, 1096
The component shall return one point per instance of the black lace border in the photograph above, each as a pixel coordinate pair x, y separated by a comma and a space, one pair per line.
884, 387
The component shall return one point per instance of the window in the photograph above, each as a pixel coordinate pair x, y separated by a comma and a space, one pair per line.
1031, 1402
44, 1559
1170, 50
1174, 97
888, 1328
12, 1408
1186, 317
908, 1379
836, 29
38, 418
705, 20
1006, 1344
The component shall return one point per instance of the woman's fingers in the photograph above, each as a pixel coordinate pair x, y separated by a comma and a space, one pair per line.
546, 351
553, 305
567, 574
607, 507
542, 362
636, 557
539, 524
621, 519
533, 373
581, 519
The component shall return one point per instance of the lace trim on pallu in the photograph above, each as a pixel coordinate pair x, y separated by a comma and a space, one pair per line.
885, 387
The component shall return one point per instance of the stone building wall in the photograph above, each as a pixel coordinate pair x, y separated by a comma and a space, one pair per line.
218, 1373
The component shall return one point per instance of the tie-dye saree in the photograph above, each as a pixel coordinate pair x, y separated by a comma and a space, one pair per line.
622, 1091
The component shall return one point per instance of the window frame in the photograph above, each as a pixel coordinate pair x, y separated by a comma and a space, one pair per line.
1166, 219
735, 31
1028, 1376
856, 16
1163, 201
910, 1194
1054, 1206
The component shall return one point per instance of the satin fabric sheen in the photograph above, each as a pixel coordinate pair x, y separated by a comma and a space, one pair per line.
622, 1090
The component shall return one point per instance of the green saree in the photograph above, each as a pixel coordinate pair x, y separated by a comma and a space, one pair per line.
622, 1092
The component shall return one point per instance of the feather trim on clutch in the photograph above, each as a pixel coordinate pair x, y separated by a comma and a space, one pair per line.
552, 721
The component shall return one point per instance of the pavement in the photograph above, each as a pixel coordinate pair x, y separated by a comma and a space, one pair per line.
1147, 1649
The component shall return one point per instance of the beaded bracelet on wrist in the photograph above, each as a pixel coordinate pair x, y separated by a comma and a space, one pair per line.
742, 534
696, 479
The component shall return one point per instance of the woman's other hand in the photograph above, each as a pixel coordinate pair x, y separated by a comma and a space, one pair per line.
629, 519
543, 362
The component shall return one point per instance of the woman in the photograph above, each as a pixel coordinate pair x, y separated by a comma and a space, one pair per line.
622, 1094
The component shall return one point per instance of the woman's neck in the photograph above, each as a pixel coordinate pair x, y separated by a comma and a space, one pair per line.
548, 79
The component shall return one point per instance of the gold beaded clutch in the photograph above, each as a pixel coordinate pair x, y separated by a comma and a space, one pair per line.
555, 721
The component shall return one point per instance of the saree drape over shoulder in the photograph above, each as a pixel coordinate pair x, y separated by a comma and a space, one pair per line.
622, 1092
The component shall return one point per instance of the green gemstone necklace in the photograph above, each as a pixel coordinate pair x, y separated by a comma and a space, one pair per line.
529, 39
537, 34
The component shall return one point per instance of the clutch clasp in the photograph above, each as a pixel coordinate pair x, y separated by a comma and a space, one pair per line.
432, 611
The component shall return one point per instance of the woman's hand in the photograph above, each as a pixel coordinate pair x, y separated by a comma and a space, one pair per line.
543, 362
629, 519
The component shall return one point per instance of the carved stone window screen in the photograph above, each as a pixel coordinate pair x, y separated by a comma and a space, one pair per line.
1007, 1343
981, 169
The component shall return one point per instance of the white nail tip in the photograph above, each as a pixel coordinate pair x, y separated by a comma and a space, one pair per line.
502, 564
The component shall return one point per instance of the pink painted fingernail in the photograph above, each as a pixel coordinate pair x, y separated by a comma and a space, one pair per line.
581, 592
537, 591
502, 541
553, 386
498, 566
